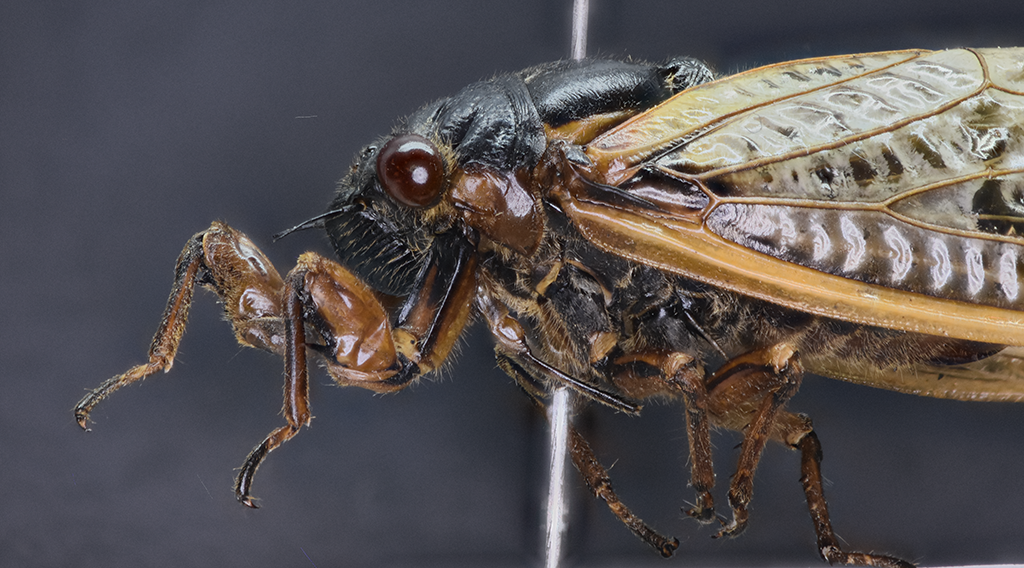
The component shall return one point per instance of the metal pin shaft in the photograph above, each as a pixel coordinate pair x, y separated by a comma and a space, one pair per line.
561, 400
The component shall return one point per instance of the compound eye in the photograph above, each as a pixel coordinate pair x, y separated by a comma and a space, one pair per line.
411, 170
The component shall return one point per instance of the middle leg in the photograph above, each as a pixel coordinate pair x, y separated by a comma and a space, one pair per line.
747, 395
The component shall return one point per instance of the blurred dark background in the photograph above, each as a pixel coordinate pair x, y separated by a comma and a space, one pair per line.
125, 127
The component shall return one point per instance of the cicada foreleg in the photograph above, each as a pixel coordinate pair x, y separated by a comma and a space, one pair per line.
319, 305
230, 264
322, 299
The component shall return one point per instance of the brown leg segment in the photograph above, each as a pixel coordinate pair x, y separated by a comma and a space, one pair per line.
702, 468
828, 546
596, 478
594, 475
749, 394
680, 376
165, 343
296, 390
268, 314
229, 263
775, 377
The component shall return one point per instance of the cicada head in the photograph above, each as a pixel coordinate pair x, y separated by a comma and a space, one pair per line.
378, 221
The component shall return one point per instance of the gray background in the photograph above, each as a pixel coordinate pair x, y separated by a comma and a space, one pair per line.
127, 126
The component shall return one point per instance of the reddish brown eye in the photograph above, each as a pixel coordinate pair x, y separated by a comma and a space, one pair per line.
411, 170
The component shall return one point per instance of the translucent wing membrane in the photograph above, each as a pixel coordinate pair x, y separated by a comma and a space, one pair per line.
897, 178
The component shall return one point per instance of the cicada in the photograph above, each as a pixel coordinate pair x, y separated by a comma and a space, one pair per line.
634, 231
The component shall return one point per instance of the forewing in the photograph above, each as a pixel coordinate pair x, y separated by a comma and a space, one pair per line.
883, 189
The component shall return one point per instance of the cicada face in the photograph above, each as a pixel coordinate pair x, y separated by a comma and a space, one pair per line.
381, 238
